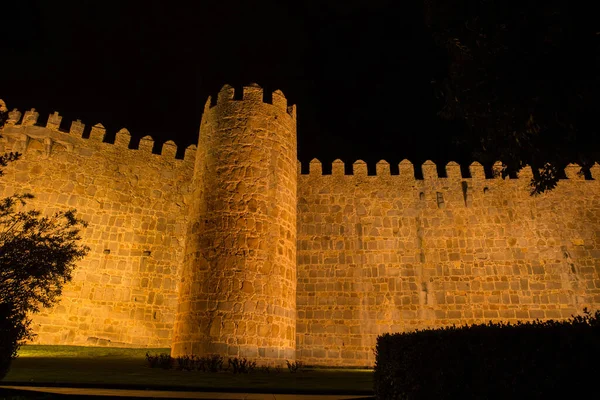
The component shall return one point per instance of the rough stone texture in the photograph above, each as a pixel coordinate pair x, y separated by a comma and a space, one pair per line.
124, 293
388, 253
270, 264
238, 292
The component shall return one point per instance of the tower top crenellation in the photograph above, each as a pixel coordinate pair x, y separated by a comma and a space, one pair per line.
252, 93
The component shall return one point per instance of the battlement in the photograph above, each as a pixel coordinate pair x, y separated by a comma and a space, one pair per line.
430, 171
252, 93
21, 130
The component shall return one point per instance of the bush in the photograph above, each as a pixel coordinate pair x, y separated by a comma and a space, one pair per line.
526, 360
163, 360
242, 365
211, 363
186, 363
294, 366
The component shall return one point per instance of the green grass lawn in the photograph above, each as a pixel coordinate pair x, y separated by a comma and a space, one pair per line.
116, 367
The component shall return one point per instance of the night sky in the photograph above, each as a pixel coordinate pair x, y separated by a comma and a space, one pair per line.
360, 72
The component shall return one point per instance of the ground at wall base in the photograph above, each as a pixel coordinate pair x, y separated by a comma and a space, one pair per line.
74, 366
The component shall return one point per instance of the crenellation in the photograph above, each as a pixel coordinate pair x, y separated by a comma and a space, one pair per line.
77, 128
279, 100
477, 172
315, 168
525, 173
429, 169
190, 154
169, 149
54, 120
146, 144
122, 139
97, 133
50, 139
382, 168
233, 250
406, 170
30, 118
338, 168
574, 172
453, 172
359, 168
595, 171
225, 95
252, 92
291, 110
13, 117
498, 169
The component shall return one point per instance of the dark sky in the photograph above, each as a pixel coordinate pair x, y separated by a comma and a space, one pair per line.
360, 72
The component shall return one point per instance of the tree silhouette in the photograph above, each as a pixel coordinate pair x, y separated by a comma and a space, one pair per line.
37, 257
523, 77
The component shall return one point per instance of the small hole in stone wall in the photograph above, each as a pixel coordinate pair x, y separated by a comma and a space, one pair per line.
146, 253
440, 200
154, 315
106, 251
465, 188
421, 196
485, 190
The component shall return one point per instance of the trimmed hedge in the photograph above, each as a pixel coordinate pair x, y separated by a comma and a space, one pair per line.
497, 360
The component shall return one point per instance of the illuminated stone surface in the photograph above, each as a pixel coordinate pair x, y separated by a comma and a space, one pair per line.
238, 292
135, 202
238, 253
380, 254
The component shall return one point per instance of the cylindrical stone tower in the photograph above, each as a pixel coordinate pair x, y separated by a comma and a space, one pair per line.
238, 289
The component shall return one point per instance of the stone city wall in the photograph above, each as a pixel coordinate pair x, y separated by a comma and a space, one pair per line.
124, 292
390, 253
374, 254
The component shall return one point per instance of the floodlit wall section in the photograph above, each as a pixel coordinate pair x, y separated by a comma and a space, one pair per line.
389, 253
124, 293
238, 296
369, 255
